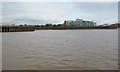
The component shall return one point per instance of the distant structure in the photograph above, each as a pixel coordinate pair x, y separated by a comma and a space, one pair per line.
105, 24
117, 25
15, 28
79, 23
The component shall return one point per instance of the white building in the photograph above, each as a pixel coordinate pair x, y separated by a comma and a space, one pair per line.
80, 23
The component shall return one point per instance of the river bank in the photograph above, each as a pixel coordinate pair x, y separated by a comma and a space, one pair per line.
31, 28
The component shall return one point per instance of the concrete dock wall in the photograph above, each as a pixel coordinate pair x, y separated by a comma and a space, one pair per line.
16, 28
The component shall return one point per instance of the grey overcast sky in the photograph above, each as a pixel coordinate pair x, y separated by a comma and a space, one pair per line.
57, 12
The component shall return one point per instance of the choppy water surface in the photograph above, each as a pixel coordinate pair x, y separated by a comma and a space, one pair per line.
61, 49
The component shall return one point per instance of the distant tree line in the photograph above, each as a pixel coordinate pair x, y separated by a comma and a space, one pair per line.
63, 25
46, 25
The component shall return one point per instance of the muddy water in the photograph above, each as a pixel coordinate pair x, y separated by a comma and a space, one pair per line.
61, 49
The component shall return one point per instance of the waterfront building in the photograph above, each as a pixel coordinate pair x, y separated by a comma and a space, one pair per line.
105, 24
79, 23
117, 25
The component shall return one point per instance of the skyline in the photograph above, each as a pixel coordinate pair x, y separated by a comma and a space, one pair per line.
57, 12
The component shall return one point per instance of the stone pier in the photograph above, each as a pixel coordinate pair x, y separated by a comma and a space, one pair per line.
16, 28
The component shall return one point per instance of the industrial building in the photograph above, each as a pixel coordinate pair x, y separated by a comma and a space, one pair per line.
79, 23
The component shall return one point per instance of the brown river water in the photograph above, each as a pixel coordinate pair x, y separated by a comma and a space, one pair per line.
60, 49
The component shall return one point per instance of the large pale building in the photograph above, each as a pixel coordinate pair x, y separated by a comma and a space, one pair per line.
79, 23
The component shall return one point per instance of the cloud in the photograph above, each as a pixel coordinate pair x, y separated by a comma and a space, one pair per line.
57, 12
36, 11
0, 8
119, 12
99, 11
29, 21
60, 0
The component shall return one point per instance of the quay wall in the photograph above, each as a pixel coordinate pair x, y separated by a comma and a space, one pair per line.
15, 29
32, 28
65, 28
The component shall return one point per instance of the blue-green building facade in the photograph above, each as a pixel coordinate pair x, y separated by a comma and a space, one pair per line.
79, 23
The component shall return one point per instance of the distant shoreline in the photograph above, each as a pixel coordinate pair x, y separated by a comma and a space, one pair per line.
30, 28
75, 28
